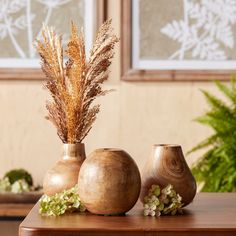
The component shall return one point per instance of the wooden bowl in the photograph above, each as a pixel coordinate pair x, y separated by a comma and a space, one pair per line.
109, 182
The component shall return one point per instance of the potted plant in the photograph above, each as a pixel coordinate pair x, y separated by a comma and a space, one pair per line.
73, 86
216, 169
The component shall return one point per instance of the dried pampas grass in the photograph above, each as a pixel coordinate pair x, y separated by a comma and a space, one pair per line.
74, 85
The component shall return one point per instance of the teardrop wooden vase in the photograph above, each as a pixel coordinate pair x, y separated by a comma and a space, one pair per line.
167, 165
109, 182
64, 174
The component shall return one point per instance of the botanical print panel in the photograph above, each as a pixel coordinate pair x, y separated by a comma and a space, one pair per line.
187, 30
21, 22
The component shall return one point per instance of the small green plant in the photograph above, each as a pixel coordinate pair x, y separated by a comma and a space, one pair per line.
216, 170
162, 201
60, 203
17, 181
18, 174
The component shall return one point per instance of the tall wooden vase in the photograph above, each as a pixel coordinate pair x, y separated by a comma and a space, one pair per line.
64, 174
167, 165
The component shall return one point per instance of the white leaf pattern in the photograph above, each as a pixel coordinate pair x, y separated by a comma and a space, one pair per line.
3, 31
209, 50
16, 15
224, 34
15, 6
174, 30
21, 21
207, 30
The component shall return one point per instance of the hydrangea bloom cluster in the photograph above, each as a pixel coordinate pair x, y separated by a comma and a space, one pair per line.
19, 186
162, 201
60, 203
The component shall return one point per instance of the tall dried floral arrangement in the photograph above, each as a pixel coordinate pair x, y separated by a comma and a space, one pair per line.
74, 85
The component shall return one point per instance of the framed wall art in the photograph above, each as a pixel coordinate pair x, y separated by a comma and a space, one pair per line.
21, 22
178, 40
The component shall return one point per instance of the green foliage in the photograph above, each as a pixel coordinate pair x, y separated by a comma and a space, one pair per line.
60, 203
17, 174
162, 201
217, 168
16, 181
19, 186
5, 185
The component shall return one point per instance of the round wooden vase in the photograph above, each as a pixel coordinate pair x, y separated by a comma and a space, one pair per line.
64, 174
109, 182
167, 165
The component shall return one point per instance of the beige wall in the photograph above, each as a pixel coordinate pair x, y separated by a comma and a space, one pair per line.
133, 117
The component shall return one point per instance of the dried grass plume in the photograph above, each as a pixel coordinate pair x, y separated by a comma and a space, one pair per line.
75, 84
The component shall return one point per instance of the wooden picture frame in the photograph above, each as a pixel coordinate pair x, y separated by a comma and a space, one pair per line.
22, 73
128, 73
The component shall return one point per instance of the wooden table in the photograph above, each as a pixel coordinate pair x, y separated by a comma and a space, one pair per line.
209, 214
15, 210
11, 215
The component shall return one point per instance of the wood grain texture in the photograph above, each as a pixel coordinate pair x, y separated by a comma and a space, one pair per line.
209, 214
21, 74
128, 73
167, 165
64, 175
109, 182
15, 210
9, 227
101, 10
28, 197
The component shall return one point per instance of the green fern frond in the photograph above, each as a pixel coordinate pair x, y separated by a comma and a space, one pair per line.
204, 143
216, 169
227, 91
215, 103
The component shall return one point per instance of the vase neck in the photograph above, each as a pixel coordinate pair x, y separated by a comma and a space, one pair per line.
167, 148
73, 151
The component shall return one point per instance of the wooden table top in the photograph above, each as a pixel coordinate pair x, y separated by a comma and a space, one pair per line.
15, 210
209, 214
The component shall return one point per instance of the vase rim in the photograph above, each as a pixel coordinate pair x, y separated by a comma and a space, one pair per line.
73, 144
109, 149
166, 145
